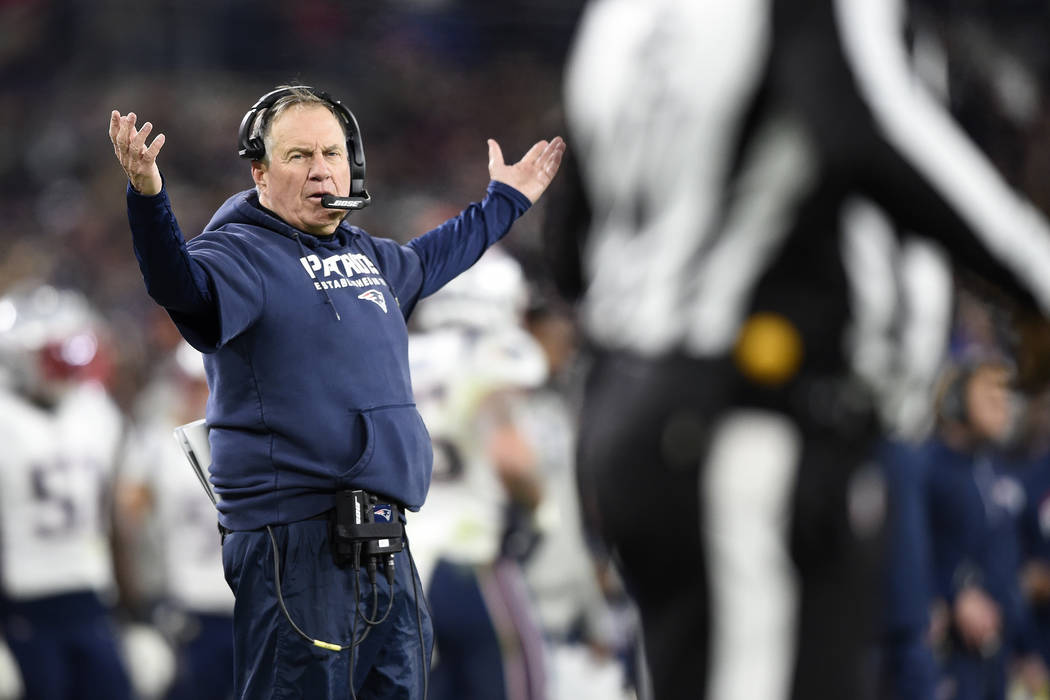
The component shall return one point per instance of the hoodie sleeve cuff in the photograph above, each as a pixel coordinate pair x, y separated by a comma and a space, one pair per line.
523, 203
144, 202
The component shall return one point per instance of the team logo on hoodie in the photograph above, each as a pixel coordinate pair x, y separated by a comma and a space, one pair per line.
375, 296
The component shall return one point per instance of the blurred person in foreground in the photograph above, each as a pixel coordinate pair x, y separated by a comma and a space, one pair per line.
61, 434
721, 150
974, 501
472, 365
167, 519
312, 425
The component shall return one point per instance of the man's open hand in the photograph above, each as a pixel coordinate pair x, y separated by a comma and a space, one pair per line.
138, 160
533, 173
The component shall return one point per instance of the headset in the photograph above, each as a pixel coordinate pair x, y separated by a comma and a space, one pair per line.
252, 147
953, 400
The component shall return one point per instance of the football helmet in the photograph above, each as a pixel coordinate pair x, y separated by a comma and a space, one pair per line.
491, 293
50, 338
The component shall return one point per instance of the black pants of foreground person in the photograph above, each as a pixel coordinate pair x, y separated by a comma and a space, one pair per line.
747, 531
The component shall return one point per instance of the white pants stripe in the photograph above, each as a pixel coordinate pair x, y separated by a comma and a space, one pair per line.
746, 493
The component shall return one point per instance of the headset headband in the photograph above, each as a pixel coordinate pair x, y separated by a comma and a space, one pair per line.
252, 147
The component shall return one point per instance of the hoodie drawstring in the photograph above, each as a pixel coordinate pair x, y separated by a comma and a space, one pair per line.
327, 296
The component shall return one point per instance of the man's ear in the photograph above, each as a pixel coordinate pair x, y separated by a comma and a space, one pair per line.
259, 173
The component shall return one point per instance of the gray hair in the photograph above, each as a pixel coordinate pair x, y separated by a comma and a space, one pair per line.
298, 95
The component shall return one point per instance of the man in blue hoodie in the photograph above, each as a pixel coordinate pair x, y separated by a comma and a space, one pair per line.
973, 502
301, 317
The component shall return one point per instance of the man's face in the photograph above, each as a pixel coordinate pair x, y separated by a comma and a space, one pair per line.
989, 405
308, 158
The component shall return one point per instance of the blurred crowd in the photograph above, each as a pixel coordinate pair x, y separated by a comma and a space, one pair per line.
428, 81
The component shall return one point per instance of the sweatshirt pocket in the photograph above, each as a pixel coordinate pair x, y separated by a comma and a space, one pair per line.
362, 440
397, 457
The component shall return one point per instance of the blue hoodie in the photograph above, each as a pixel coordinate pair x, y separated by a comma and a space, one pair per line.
974, 506
306, 347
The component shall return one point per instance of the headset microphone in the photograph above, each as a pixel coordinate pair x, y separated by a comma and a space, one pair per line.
330, 201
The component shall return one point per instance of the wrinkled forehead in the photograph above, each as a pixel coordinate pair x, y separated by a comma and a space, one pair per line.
307, 124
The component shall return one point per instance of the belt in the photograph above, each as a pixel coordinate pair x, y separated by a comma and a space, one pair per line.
326, 515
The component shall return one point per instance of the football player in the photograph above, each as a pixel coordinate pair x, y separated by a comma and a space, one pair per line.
61, 432
470, 360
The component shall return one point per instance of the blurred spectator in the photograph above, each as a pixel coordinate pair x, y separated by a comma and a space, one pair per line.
974, 504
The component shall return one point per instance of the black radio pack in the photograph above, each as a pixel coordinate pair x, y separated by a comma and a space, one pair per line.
362, 524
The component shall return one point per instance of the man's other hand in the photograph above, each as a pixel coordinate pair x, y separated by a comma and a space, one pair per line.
533, 173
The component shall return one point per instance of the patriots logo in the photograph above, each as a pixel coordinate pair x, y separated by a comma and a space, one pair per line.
375, 296
382, 514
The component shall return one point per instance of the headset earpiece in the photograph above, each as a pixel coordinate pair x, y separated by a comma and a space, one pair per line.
954, 399
253, 148
248, 147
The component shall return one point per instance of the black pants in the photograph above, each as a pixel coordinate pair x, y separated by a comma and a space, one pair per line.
746, 532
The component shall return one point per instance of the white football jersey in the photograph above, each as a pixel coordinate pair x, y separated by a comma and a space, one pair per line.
184, 520
454, 372
56, 469
560, 571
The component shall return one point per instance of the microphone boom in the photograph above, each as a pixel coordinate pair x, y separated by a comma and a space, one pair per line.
329, 201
